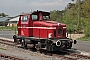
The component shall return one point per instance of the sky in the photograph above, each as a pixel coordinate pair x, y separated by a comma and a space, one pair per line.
15, 7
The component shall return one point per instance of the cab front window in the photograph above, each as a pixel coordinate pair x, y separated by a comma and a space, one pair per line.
45, 17
34, 17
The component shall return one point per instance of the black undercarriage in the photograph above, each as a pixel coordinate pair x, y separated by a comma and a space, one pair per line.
42, 43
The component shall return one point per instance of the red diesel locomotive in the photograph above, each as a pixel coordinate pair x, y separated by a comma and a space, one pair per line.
36, 30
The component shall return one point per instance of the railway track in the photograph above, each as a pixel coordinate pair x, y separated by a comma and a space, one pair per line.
6, 57
10, 43
7, 42
66, 56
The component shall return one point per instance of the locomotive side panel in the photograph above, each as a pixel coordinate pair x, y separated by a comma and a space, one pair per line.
24, 32
30, 26
36, 32
43, 32
46, 33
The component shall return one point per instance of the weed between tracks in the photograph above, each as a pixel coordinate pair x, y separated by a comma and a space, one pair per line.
3, 49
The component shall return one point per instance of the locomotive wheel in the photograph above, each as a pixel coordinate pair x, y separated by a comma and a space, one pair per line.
24, 44
20, 41
37, 46
70, 45
15, 38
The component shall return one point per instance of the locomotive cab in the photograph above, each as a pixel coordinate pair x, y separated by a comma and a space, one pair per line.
38, 31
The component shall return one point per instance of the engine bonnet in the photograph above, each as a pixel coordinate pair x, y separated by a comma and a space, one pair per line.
48, 24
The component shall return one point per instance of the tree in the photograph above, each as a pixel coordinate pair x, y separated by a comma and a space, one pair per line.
76, 16
56, 15
86, 12
3, 14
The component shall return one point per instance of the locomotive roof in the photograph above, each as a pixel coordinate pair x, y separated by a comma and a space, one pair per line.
34, 12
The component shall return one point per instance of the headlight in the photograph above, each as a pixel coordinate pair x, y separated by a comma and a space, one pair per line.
59, 24
58, 43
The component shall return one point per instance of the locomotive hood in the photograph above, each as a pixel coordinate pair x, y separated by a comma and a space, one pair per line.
48, 24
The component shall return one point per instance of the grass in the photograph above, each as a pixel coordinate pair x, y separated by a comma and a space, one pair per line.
85, 39
6, 28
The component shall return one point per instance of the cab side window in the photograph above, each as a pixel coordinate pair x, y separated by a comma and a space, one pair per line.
34, 17
25, 19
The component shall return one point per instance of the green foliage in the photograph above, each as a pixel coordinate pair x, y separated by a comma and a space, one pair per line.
3, 49
56, 15
3, 14
76, 16
6, 28
87, 28
86, 9
85, 38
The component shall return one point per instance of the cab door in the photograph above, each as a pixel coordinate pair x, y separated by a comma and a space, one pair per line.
24, 25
